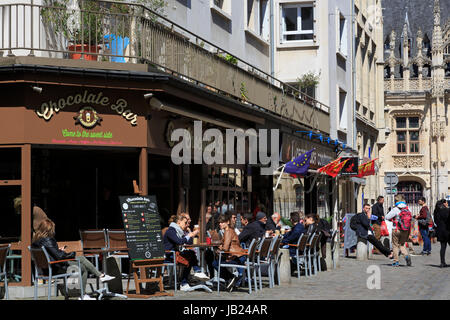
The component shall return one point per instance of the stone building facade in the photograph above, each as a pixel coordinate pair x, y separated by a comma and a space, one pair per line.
416, 84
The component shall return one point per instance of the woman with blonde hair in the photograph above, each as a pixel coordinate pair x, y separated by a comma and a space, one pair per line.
44, 237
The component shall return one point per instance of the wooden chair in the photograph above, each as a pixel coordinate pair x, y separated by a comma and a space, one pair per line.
276, 259
93, 240
116, 239
317, 254
309, 252
263, 258
334, 244
172, 268
42, 262
312, 253
301, 254
4, 251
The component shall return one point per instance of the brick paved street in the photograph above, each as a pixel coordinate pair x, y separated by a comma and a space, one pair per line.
424, 280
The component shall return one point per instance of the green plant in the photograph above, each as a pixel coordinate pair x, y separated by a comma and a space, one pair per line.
243, 91
286, 222
231, 59
92, 20
308, 80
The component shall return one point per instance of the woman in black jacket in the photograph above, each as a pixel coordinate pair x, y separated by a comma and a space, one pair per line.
44, 237
441, 218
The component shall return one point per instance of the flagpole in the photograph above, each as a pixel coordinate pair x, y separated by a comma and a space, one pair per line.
279, 178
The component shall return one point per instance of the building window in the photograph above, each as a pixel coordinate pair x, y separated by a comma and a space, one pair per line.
412, 191
342, 109
342, 41
297, 22
258, 18
407, 134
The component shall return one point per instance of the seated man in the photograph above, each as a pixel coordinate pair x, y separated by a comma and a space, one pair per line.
274, 223
364, 230
179, 234
246, 218
292, 236
254, 230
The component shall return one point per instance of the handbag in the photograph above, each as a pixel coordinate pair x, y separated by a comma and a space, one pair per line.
384, 230
181, 260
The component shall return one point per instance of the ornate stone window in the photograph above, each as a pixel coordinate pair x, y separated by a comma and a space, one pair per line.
407, 129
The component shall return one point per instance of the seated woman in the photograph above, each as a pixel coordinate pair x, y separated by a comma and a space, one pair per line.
230, 243
44, 237
179, 234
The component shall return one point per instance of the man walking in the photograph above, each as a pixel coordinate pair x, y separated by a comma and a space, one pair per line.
378, 210
401, 218
424, 220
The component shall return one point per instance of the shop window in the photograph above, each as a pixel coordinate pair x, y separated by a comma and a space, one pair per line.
10, 164
297, 22
407, 134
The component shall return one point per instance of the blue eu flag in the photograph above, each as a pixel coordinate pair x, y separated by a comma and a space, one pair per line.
299, 165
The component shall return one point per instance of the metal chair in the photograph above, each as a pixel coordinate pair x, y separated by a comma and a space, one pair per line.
173, 266
275, 259
263, 258
317, 253
42, 262
334, 244
300, 254
248, 265
312, 252
4, 251
116, 239
309, 250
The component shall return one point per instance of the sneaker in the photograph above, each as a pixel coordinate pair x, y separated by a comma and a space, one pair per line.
230, 284
395, 264
408, 261
201, 275
185, 287
86, 297
106, 278
428, 253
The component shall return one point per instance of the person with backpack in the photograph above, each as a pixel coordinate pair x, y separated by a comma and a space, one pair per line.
401, 218
360, 223
424, 218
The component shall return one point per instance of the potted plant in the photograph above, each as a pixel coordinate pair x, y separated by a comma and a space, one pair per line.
308, 82
80, 22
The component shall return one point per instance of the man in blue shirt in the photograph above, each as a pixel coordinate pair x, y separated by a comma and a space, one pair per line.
292, 236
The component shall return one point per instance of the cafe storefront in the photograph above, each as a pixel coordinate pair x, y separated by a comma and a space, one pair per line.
72, 141
312, 193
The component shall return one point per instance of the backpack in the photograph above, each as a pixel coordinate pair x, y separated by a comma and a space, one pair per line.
404, 223
354, 221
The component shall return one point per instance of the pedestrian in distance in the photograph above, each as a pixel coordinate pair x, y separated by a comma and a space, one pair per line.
360, 223
378, 210
401, 217
441, 218
423, 219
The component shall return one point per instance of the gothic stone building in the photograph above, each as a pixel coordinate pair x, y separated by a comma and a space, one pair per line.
417, 82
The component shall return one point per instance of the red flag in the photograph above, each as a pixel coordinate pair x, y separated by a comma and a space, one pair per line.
326, 167
334, 167
366, 169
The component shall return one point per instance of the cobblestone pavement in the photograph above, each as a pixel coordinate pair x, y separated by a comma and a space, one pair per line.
423, 280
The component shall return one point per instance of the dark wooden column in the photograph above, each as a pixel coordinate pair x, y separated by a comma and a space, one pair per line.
143, 172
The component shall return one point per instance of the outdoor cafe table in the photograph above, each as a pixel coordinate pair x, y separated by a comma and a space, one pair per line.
202, 247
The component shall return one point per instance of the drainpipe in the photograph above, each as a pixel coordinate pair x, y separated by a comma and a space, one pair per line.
353, 87
272, 40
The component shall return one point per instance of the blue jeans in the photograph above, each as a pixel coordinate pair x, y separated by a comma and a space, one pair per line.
426, 240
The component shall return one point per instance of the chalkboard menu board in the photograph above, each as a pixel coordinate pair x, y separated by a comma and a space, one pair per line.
142, 227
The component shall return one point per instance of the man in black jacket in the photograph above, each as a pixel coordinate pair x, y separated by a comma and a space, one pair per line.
254, 230
378, 210
364, 230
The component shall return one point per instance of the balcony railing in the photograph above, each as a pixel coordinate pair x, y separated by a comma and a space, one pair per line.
132, 33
